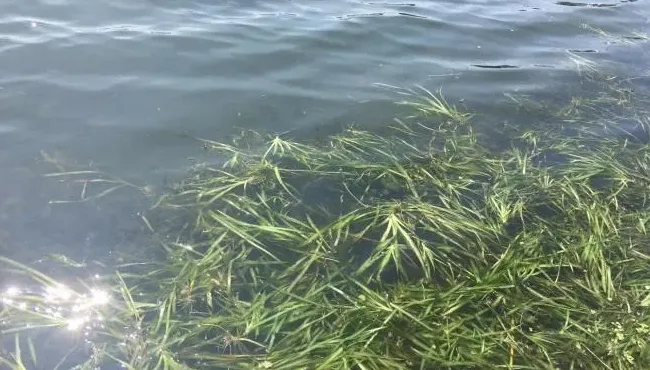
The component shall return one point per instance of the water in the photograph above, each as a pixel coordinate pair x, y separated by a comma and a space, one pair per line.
123, 85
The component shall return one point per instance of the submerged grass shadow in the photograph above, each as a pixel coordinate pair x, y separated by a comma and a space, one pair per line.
419, 250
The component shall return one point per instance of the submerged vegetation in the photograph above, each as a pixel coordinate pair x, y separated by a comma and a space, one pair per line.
425, 249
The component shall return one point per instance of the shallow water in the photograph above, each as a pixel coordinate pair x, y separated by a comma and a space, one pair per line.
122, 85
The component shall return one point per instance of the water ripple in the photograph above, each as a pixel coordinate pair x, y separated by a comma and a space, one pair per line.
111, 80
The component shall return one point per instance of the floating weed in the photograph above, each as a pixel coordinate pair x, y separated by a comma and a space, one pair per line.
633, 38
89, 180
428, 104
584, 66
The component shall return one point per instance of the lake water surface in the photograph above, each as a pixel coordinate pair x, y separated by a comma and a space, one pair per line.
122, 86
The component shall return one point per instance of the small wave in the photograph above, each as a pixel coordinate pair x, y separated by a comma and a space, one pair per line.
494, 66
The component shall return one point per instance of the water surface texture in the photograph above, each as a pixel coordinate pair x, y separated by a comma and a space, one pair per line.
122, 85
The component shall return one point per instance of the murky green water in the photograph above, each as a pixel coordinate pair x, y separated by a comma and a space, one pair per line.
121, 86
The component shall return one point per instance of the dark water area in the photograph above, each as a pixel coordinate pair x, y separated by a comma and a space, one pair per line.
123, 86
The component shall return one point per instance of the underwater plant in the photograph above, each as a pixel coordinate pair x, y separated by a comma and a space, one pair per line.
427, 248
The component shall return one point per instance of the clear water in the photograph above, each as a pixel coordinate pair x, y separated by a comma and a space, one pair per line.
122, 86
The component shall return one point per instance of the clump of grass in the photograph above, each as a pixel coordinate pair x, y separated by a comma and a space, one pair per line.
427, 104
420, 250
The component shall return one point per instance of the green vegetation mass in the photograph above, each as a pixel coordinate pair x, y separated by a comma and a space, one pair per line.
428, 247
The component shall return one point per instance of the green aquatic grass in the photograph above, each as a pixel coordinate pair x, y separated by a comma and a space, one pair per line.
425, 103
423, 249
94, 184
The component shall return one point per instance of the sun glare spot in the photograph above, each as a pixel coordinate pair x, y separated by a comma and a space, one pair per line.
57, 293
76, 322
12, 291
99, 297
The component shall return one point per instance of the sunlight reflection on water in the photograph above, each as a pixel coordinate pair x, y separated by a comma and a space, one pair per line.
59, 303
